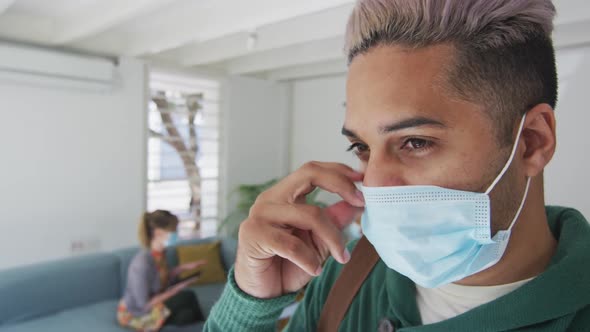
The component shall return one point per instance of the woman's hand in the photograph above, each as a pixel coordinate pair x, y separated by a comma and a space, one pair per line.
284, 241
187, 267
182, 285
192, 265
170, 292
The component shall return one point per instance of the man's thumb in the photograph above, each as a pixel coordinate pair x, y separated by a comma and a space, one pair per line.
343, 214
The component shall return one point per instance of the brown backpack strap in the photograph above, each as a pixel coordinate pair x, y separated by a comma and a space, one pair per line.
362, 260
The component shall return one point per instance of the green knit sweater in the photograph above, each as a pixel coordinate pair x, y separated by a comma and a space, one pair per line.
556, 300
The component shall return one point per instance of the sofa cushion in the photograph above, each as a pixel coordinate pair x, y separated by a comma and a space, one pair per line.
95, 317
98, 317
207, 295
228, 250
197, 327
43, 289
212, 272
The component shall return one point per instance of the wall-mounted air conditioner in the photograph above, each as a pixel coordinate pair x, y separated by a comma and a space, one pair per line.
39, 66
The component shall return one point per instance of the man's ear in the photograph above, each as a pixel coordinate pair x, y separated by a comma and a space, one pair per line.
538, 136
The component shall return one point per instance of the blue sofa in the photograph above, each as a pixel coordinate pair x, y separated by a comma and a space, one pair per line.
82, 293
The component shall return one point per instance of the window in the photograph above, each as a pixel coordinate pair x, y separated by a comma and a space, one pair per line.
183, 151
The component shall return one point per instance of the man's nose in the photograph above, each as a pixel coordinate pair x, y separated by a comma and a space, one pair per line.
383, 171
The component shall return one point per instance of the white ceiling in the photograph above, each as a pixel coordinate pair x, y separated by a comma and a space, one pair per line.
292, 38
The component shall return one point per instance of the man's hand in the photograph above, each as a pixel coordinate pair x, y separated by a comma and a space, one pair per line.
284, 241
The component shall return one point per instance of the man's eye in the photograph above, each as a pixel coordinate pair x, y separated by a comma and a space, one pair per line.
416, 144
358, 148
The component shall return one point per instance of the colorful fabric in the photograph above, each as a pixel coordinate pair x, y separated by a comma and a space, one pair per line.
152, 321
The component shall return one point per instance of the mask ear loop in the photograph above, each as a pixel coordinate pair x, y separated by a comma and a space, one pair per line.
509, 162
526, 191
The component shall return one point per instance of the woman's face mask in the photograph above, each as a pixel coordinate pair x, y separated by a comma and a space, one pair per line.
171, 240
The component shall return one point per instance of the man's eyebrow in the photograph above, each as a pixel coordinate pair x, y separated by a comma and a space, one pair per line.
404, 124
348, 132
411, 123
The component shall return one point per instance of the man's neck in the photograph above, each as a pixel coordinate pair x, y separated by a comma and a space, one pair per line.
530, 249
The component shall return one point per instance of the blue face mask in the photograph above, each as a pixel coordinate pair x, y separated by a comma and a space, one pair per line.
435, 235
172, 240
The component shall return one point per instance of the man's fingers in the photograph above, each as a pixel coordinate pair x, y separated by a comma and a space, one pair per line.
338, 179
295, 250
339, 184
348, 171
281, 224
332, 177
307, 218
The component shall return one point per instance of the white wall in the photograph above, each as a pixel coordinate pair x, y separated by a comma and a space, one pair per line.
255, 133
317, 118
567, 177
73, 167
318, 114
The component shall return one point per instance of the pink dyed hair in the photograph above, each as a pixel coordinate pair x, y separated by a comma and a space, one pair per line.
504, 56
489, 23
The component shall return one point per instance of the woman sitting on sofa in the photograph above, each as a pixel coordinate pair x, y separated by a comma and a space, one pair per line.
152, 298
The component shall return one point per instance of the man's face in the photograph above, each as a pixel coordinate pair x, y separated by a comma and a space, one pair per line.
408, 130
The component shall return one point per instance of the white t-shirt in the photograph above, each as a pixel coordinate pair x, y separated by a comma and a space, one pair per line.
442, 303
